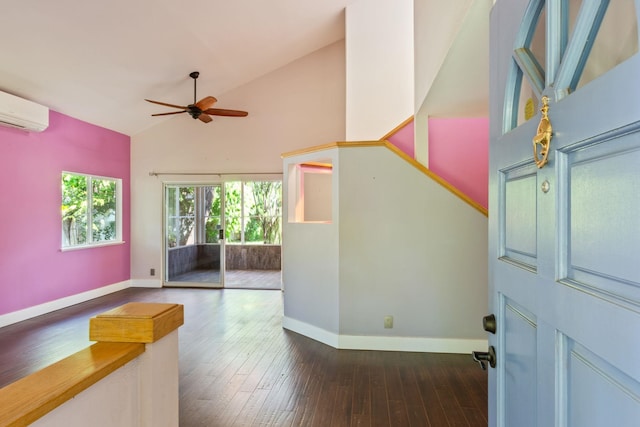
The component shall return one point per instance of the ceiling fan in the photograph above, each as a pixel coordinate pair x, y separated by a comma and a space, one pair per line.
202, 109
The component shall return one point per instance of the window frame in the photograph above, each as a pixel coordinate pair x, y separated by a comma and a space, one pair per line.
90, 243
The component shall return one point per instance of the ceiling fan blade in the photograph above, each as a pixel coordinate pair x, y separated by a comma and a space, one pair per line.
166, 114
205, 118
227, 113
165, 104
206, 102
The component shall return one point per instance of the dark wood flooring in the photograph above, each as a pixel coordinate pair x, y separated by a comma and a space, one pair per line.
238, 367
253, 279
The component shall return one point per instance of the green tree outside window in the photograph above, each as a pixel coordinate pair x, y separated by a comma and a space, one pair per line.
88, 209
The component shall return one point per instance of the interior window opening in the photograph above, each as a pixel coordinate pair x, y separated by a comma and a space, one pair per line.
310, 192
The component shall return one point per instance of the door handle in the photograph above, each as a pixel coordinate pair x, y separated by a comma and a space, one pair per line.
483, 357
489, 323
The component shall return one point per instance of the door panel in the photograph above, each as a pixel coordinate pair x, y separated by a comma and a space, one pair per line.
520, 365
565, 239
602, 179
519, 211
597, 393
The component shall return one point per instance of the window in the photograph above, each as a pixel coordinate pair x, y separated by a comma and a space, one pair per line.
193, 214
91, 210
253, 212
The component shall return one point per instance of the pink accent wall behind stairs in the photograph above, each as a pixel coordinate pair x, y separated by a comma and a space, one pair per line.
404, 139
458, 152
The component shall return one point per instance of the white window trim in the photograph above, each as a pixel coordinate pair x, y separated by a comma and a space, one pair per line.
118, 239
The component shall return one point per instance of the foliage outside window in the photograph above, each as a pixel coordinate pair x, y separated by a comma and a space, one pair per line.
187, 208
90, 210
253, 212
180, 215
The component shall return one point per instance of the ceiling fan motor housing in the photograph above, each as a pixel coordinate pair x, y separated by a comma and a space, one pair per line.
194, 111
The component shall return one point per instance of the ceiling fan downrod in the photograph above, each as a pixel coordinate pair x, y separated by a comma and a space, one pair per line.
193, 110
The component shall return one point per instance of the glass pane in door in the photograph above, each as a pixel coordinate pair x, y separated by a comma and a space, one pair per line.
193, 244
253, 215
615, 41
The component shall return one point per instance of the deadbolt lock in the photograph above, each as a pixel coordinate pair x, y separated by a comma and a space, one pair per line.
489, 323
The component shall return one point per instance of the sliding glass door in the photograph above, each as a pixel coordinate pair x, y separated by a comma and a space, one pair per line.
253, 222
194, 235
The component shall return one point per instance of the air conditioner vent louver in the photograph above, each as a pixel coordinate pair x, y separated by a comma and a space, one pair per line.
20, 113
13, 125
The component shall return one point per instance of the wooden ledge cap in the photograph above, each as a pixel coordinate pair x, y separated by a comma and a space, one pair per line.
136, 322
30, 398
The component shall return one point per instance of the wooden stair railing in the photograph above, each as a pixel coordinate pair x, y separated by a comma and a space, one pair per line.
401, 154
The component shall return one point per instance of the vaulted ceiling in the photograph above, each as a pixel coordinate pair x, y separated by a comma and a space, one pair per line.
98, 61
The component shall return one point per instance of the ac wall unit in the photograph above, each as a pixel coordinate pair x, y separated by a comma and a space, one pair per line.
20, 113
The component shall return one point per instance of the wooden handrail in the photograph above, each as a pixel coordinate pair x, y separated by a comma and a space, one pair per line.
122, 333
24, 401
397, 129
400, 153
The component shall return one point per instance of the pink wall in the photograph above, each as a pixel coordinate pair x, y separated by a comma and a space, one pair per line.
403, 139
33, 270
459, 153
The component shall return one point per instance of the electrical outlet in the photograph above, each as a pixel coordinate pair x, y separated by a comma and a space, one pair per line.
388, 322
152, 272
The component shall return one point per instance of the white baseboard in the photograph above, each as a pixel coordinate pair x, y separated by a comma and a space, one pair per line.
48, 307
418, 344
313, 332
384, 343
146, 283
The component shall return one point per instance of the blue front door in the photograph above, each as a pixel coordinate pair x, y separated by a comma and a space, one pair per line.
565, 231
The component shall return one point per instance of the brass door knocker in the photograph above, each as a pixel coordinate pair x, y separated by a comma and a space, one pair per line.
543, 137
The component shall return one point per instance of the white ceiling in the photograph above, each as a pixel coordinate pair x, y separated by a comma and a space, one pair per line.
98, 60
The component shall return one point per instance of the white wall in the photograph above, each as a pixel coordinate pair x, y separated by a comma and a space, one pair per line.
380, 89
408, 248
299, 105
113, 401
310, 259
400, 245
436, 25
143, 392
451, 63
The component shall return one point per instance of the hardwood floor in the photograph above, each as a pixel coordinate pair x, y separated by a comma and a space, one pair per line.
235, 279
253, 279
238, 367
